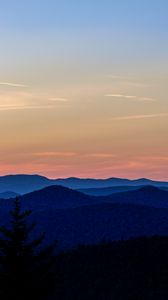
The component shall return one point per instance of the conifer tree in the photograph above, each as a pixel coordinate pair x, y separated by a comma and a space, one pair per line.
24, 265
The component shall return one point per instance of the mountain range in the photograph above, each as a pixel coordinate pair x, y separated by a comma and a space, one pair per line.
22, 184
73, 217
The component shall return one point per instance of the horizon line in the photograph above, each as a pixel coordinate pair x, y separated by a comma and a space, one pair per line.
82, 178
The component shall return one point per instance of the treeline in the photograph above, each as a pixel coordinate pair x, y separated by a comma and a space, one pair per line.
124, 270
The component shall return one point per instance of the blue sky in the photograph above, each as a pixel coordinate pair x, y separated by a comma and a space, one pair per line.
131, 29
40, 13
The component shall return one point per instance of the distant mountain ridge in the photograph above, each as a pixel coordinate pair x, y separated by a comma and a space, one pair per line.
109, 190
59, 197
79, 183
23, 184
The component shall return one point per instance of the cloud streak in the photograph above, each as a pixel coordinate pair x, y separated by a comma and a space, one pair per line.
24, 101
72, 154
13, 84
100, 155
55, 154
136, 117
25, 107
130, 97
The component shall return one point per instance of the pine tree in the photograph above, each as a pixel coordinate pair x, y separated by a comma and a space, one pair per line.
24, 270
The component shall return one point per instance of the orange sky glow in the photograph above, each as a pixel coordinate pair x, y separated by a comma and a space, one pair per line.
84, 97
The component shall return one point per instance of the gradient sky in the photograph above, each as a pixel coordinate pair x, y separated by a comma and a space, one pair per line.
83, 88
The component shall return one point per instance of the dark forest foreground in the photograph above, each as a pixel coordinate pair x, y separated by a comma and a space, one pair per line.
125, 270
128, 270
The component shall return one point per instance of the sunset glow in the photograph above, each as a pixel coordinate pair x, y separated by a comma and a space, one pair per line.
83, 88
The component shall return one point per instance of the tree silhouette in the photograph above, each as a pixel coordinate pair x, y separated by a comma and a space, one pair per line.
24, 265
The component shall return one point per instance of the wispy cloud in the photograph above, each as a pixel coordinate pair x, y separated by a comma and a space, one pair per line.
74, 154
21, 101
136, 117
13, 84
55, 154
100, 155
12, 107
25, 107
130, 97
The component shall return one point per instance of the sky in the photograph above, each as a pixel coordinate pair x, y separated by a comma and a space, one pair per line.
83, 88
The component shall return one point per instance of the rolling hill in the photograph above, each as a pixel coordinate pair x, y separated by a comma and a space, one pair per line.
59, 197
109, 190
75, 218
147, 195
